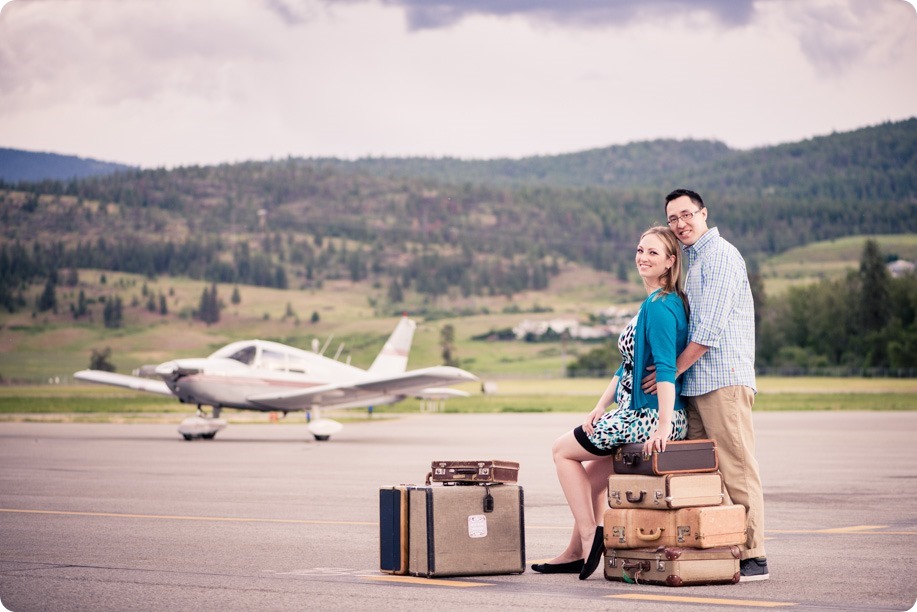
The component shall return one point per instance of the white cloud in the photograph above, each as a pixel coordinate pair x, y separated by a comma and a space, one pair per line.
172, 82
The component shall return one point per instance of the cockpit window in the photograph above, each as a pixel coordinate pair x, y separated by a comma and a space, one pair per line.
246, 355
273, 360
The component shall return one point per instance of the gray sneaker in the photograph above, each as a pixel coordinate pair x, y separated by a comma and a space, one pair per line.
753, 569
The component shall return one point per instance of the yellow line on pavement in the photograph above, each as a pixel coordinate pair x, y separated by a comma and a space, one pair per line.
854, 530
427, 581
184, 518
704, 600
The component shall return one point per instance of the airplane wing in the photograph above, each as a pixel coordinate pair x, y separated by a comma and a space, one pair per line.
122, 380
408, 383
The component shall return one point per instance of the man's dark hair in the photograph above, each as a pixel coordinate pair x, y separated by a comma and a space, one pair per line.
692, 195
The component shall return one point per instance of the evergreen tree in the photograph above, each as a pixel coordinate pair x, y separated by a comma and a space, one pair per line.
875, 307
395, 293
48, 298
163, 305
113, 313
209, 307
101, 360
447, 342
236, 298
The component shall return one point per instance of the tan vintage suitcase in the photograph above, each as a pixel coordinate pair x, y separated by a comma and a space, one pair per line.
679, 457
466, 530
665, 492
673, 566
695, 527
465, 472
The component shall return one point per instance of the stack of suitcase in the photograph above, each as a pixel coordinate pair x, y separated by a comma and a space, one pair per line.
469, 521
666, 522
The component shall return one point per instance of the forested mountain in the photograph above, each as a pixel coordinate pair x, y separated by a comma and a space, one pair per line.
17, 165
438, 226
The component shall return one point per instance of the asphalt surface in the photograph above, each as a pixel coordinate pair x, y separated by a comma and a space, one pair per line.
132, 517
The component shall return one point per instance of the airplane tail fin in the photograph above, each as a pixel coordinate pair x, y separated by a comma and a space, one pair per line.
393, 358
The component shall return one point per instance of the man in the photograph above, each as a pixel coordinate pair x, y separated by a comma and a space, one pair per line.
719, 363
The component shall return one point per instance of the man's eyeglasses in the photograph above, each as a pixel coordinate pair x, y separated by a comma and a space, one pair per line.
686, 217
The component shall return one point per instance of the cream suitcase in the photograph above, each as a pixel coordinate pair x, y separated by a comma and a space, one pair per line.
665, 492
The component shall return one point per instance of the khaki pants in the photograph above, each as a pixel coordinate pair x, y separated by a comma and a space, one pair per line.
724, 416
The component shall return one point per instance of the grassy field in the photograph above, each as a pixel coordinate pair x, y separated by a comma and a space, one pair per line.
829, 259
81, 402
352, 318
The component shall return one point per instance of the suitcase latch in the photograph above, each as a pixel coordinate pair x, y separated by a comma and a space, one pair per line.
616, 495
618, 532
683, 532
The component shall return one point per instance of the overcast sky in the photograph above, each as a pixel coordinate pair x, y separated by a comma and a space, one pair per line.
179, 82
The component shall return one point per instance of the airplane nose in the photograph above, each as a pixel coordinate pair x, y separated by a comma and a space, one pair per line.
167, 370
173, 370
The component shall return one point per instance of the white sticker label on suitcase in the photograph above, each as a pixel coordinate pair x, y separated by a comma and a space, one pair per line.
477, 526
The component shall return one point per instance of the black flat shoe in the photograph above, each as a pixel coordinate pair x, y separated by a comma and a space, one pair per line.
572, 567
595, 554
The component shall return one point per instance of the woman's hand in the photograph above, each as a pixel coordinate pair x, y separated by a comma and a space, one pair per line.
593, 418
658, 438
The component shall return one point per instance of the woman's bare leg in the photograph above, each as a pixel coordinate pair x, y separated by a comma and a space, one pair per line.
597, 472
569, 456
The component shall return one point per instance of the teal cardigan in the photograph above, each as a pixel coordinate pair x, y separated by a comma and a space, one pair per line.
660, 337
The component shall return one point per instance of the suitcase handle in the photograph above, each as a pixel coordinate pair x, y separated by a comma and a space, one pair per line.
465, 470
652, 536
633, 459
643, 566
635, 499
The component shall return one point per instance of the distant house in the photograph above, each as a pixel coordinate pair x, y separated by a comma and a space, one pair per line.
617, 317
900, 267
557, 327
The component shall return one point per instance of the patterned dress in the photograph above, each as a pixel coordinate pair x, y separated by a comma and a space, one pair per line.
624, 425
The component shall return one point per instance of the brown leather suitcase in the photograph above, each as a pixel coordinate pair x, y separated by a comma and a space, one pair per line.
474, 472
674, 566
466, 530
695, 527
665, 492
679, 457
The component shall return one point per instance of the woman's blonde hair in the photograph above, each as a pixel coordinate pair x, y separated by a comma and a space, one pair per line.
671, 280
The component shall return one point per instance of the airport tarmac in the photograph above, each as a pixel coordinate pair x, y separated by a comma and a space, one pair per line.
132, 517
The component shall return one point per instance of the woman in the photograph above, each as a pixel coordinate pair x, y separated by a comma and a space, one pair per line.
655, 337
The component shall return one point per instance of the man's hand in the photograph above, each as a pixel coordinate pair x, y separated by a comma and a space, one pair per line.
648, 384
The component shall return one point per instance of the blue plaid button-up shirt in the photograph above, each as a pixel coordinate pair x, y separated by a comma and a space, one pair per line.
722, 316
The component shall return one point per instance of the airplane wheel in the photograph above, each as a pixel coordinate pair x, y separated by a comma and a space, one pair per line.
208, 436
321, 438
188, 437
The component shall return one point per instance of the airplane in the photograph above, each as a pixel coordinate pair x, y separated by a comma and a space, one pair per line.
271, 377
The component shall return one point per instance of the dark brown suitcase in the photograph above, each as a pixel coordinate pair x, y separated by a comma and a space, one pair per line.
672, 566
466, 531
474, 472
680, 457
